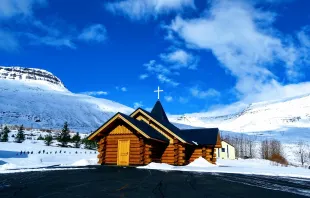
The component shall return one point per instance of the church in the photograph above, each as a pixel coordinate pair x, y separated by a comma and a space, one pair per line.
144, 137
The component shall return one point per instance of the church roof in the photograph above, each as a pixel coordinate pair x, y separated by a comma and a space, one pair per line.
158, 112
205, 136
166, 123
145, 128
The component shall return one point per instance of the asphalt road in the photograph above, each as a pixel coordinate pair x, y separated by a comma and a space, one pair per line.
104, 181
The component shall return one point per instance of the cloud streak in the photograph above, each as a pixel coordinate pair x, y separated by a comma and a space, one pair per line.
146, 9
95, 93
95, 33
202, 94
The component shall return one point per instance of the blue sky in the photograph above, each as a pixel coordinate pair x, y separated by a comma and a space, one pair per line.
205, 55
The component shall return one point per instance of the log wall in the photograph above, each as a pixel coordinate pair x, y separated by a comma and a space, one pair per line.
108, 146
174, 154
207, 153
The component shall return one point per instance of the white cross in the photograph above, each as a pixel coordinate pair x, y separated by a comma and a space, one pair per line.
158, 90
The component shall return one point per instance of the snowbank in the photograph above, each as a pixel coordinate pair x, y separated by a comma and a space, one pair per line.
251, 166
200, 162
159, 166
85, 162
7, 167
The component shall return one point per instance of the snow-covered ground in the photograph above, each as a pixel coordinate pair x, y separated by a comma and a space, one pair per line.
241, 166
29, 154
14, 157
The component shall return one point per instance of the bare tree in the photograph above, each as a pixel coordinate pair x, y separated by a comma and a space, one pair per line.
302, 152
271, 148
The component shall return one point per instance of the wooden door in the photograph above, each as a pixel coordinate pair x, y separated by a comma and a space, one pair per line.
123, 152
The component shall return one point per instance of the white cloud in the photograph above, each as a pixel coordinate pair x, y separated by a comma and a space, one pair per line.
143, 76
180, 59
96, 32
95, 93
161, 72
183, 100
144, 9
12, 8
124, 89
51, 41
244, 41
278, 92
153, 67
198, 93
164, 79
137, 105
168, 98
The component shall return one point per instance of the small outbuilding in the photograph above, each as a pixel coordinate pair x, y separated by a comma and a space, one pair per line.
144, 137
226, 152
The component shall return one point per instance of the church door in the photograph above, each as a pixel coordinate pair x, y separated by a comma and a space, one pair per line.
123, 152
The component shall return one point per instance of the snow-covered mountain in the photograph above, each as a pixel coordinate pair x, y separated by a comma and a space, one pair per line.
38, 99
24, 74
290, 116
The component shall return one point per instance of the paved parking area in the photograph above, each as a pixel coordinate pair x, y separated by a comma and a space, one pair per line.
106, 181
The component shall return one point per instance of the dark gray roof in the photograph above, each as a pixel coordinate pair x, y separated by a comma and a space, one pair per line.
206, 136
158, 112
201, 136
166, 124
145, 128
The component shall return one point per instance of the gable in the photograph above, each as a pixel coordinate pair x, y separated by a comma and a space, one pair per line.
142, 128
167, 131
154, 126
121, 130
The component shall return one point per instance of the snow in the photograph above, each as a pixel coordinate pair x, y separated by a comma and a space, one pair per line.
241, 166
287, 119
85, 162
200, 162
40, 104
11, 159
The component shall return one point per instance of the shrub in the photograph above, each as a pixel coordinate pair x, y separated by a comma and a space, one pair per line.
76, 139
5, 134
20, 137
89, 144
64, 136
279, 159
40, 137
48, 140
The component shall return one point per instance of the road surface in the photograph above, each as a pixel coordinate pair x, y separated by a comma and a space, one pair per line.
109, 181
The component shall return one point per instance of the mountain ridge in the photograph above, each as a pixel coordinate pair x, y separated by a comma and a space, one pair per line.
43, 103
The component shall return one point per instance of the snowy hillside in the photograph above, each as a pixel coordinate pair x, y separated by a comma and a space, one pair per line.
40, 103
290, 117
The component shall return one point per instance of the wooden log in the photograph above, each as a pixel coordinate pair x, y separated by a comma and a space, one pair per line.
108, 155
134, 161
122, 136
168, 158
172, 155
108, 161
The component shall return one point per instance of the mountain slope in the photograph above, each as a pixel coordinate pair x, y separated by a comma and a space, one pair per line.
281, 115
41, 103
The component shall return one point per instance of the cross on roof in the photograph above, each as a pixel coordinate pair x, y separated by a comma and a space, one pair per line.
158, 90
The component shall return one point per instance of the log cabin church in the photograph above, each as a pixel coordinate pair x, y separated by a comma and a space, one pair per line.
145, 137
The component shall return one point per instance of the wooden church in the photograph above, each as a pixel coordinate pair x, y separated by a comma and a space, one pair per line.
145, 137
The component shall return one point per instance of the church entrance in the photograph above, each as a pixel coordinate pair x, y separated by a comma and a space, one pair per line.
123, 152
